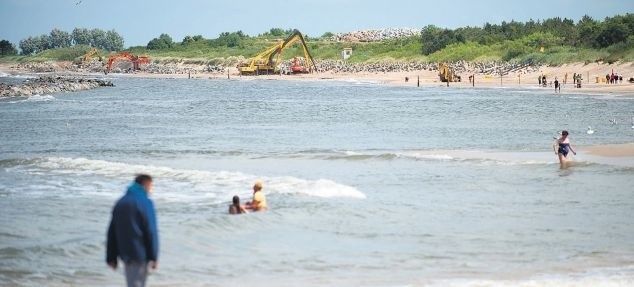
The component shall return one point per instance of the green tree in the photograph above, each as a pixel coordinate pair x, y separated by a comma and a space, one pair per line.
434, 38
232, 39
6, 48
59, 39
81, 36
187, 40
98, 38
277, 32
327, 35
28, 46
114, 41
164, 41
587, 30
42, 42
614, 30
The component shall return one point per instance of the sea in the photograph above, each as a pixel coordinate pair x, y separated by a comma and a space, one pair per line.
367, 184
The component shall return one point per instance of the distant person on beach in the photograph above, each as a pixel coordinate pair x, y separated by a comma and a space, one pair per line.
607, 78
557, 87
539, 80
259, 200
544, 80
133, 235
236, 207
565, 78
562, 147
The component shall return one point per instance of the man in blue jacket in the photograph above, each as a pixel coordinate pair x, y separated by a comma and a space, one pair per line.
132, 235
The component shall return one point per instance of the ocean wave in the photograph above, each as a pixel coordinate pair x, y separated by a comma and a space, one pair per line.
34, 98
220, 184
478, 157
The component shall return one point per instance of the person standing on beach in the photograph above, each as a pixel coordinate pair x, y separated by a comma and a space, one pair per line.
557, 87
562, 147
132, 234
259, 200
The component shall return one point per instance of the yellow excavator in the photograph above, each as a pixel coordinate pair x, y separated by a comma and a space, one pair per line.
90, 53
265, 62
447, 74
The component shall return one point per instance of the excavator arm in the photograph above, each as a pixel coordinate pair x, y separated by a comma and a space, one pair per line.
290, 40
134, 59
89, 54
254, 61
267, 59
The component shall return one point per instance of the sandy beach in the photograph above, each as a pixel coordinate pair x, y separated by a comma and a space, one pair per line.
611, 150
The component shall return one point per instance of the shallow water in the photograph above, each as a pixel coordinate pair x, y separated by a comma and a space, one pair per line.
369, 185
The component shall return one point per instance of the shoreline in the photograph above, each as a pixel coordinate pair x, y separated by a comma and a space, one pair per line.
419, 78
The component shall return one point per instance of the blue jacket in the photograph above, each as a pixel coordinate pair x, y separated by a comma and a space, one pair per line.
132, 234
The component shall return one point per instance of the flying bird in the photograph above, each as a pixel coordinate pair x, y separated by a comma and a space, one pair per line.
78, 2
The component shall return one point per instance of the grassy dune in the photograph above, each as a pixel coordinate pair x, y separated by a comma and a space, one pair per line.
404, 49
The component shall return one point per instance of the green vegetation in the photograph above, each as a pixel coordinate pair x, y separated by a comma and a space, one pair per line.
553, 41
7, 49
58, 39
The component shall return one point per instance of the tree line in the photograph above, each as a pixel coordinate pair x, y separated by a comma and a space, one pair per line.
587, 32
227, 39
106, 40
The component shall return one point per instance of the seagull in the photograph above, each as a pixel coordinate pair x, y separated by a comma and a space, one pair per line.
78, 2
590, 130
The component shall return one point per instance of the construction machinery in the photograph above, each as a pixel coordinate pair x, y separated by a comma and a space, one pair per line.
447, 74
89, 54
266, 62
136, 60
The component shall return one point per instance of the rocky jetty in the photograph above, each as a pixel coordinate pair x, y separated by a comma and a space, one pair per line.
193, 67
50, 85
375, 35
485, 68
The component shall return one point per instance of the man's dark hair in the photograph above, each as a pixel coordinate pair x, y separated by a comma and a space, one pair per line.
142, 179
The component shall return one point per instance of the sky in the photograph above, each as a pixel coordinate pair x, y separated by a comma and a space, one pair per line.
140, 21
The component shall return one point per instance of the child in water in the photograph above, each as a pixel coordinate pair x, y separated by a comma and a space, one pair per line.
235, 207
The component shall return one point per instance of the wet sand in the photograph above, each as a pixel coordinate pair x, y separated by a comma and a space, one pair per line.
611, 150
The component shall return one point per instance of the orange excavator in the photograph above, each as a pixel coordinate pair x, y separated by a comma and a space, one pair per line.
297, 68
136, 60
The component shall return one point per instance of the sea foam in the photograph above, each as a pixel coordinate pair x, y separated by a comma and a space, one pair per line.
221, 183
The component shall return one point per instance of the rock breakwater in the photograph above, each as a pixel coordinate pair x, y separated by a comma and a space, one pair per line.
50, 85
485, 68
375, 35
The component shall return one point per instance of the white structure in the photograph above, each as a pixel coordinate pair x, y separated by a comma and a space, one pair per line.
346, 53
